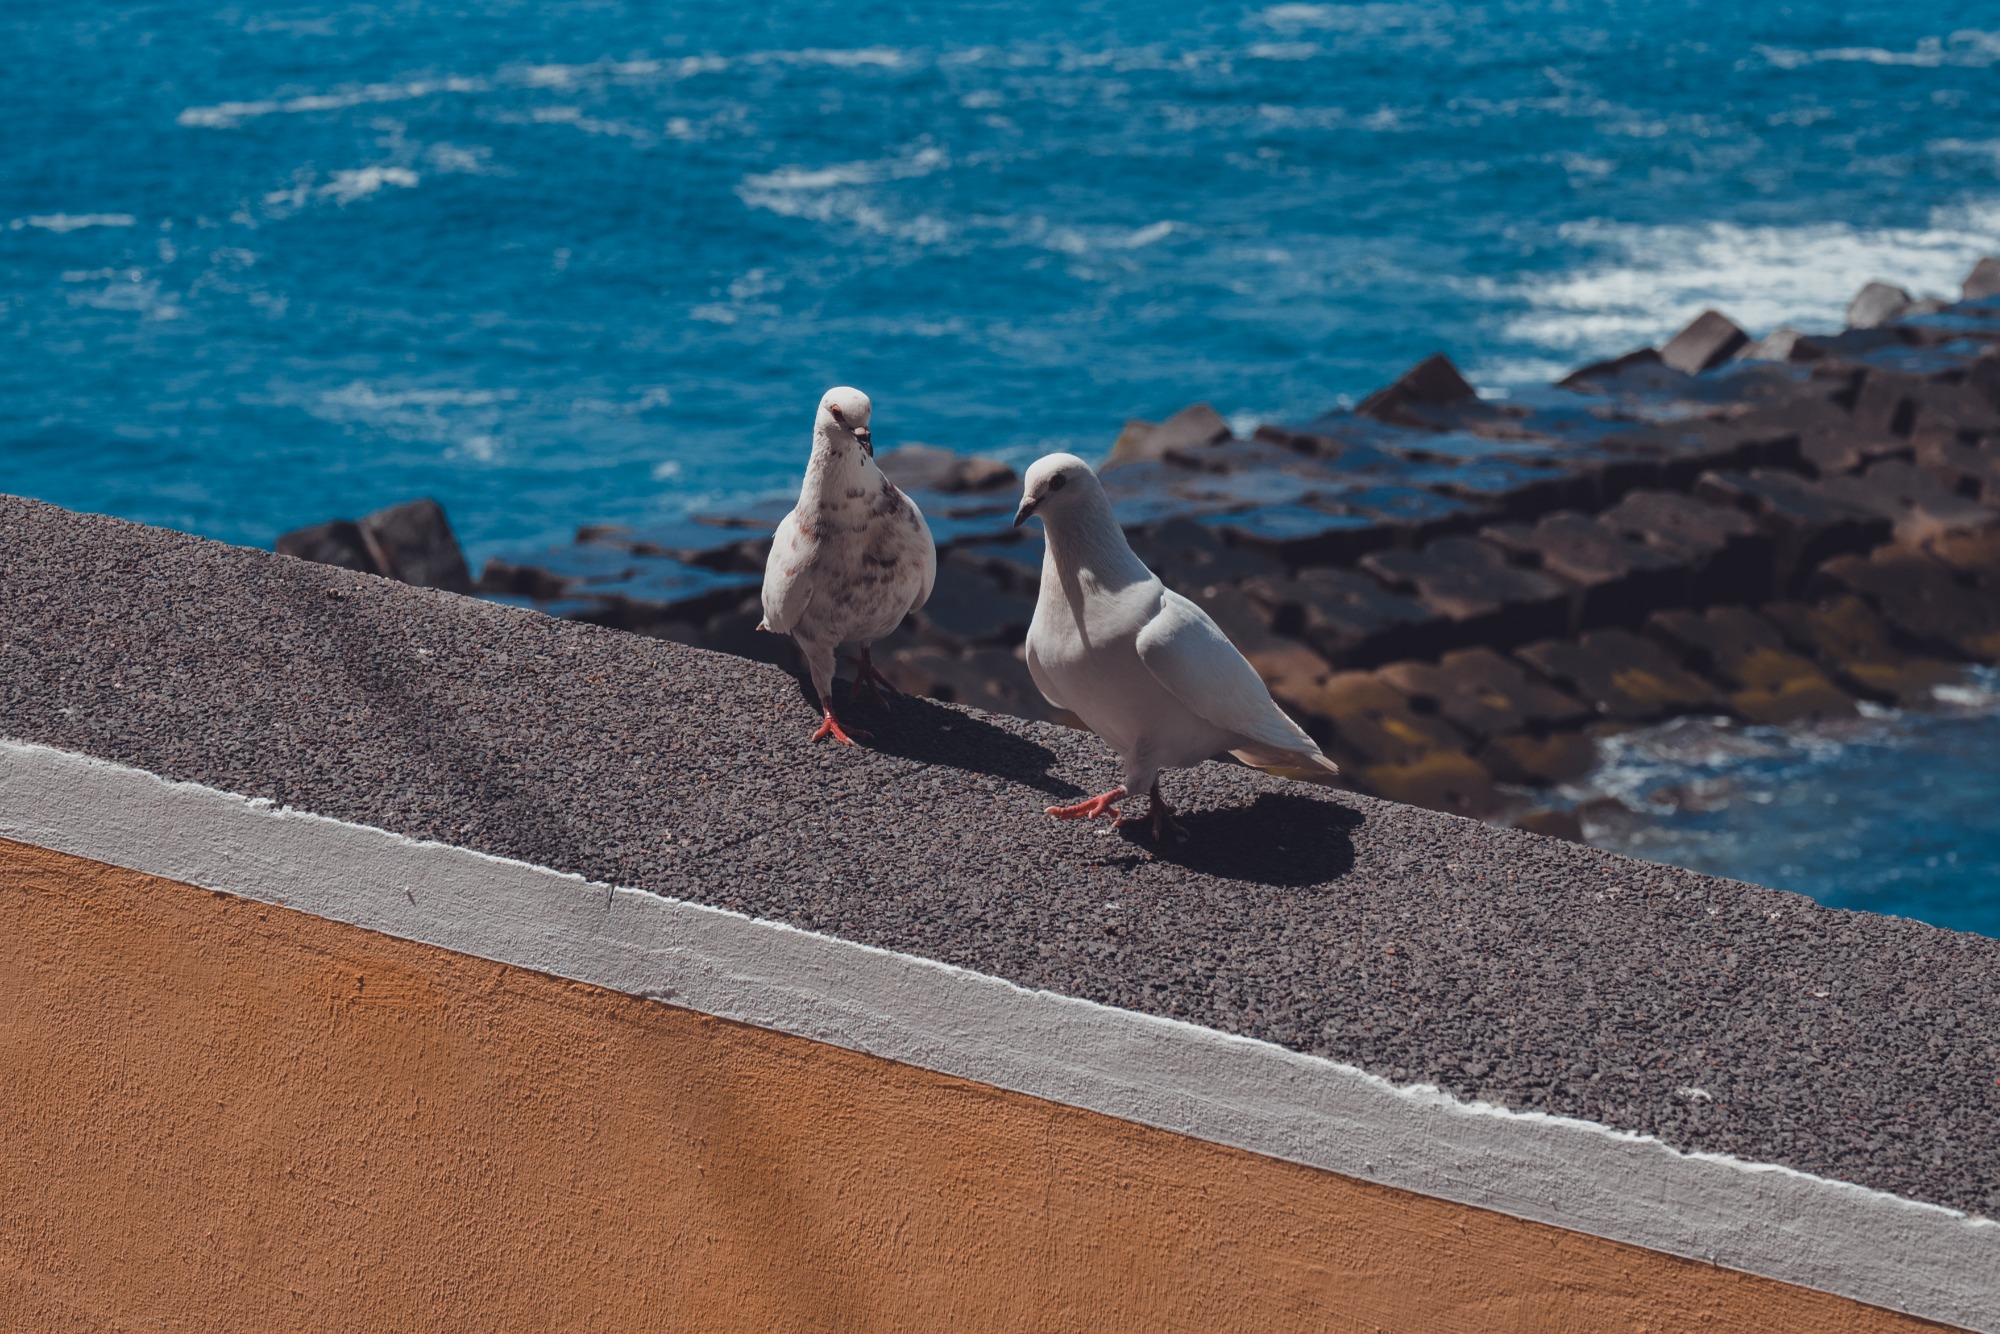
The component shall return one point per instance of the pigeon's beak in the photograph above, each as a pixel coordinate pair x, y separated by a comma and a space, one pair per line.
867, 441
1028, 504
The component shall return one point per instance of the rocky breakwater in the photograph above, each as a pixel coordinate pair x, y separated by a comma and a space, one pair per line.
1457, 596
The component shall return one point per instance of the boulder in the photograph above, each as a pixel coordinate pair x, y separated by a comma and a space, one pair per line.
1539, 759
1190, 428
1583, 377
1484, 694
1967, 468
968, 606
1615, 581
1432, 383
1440, 781
1983, 281
993, 679
1346, 617
1471, 584
1927, 602
413, 542
1768, 682
929, 468
1728, 557
1877, 304
337, 542
1782, 344
1625, 677
1710, 339
1369, 720
1806, 524
1856, 647
1915, 500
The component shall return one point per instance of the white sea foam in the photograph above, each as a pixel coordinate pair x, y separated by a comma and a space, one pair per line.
1967, 48
72, 222
228, 115
1652, 280
838, 193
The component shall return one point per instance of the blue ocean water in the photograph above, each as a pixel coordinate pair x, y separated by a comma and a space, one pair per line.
265, 263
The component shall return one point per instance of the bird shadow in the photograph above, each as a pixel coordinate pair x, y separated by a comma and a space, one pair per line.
920, 729
1281, 839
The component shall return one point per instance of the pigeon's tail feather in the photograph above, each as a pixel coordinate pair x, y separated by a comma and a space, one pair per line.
1305, 766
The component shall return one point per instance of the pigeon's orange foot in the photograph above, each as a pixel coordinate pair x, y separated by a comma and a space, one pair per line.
1089, 810
830, 726
1159, 815
866, 675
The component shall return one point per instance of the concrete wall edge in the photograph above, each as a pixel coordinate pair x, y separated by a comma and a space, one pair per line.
1760, 1218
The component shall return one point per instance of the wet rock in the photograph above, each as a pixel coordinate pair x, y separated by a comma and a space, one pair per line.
1926, 601
1432, 383
1877, 304
1483, 694
1472, 585
1191, 427
1347, 617
991, 678
1915, 501
1857, 648
1983, 281
1710, 339
1584, 377
1768, 682
1293, 535
413, 542
930, 468
1806, 525
1728, 557
1616, 581
1551, 822
1623, 676
969, 607
338, 542
1539, 759
1188, 554
1782, 344
1440, 781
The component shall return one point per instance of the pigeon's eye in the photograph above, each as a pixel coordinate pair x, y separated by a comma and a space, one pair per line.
1056, 482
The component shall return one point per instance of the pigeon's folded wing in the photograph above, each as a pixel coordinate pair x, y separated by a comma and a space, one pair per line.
1189, 655
929, 555
1041, 677
788, 576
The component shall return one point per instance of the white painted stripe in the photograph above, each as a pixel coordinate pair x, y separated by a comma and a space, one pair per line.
1763, 1219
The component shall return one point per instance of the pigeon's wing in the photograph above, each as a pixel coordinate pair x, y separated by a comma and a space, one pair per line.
1041, 677
1189, 655
928, 554
788, 576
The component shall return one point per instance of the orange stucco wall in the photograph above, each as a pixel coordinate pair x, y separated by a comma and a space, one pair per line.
223, 1115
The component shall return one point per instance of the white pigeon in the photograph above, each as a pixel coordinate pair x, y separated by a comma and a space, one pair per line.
1144, 668
852, 559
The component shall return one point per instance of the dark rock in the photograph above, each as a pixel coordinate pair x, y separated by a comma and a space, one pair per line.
1783, 344
1432, 382
528, 581
1857, 647
1919, 504
1729, 558
1968, 468
1346, 617
929, 468
1710, 339
1885, 403
1439, 780
1551, 822
1925, 600
1583, 377
1982, 377
1768, 682
1616, 581
1292, 535
1191, 427
1484, 694
1367, 720
1625, 677
1471, 583
414, 543
967, 606
1983, 281
1014, 562
338, 542
1877, 304
1806, 524
993, 679
1539, 759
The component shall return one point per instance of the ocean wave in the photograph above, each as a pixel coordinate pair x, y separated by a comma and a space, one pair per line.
1967, 48
72, 222
343, 187
228, 115
1653, 279
1362, 18
837, 193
